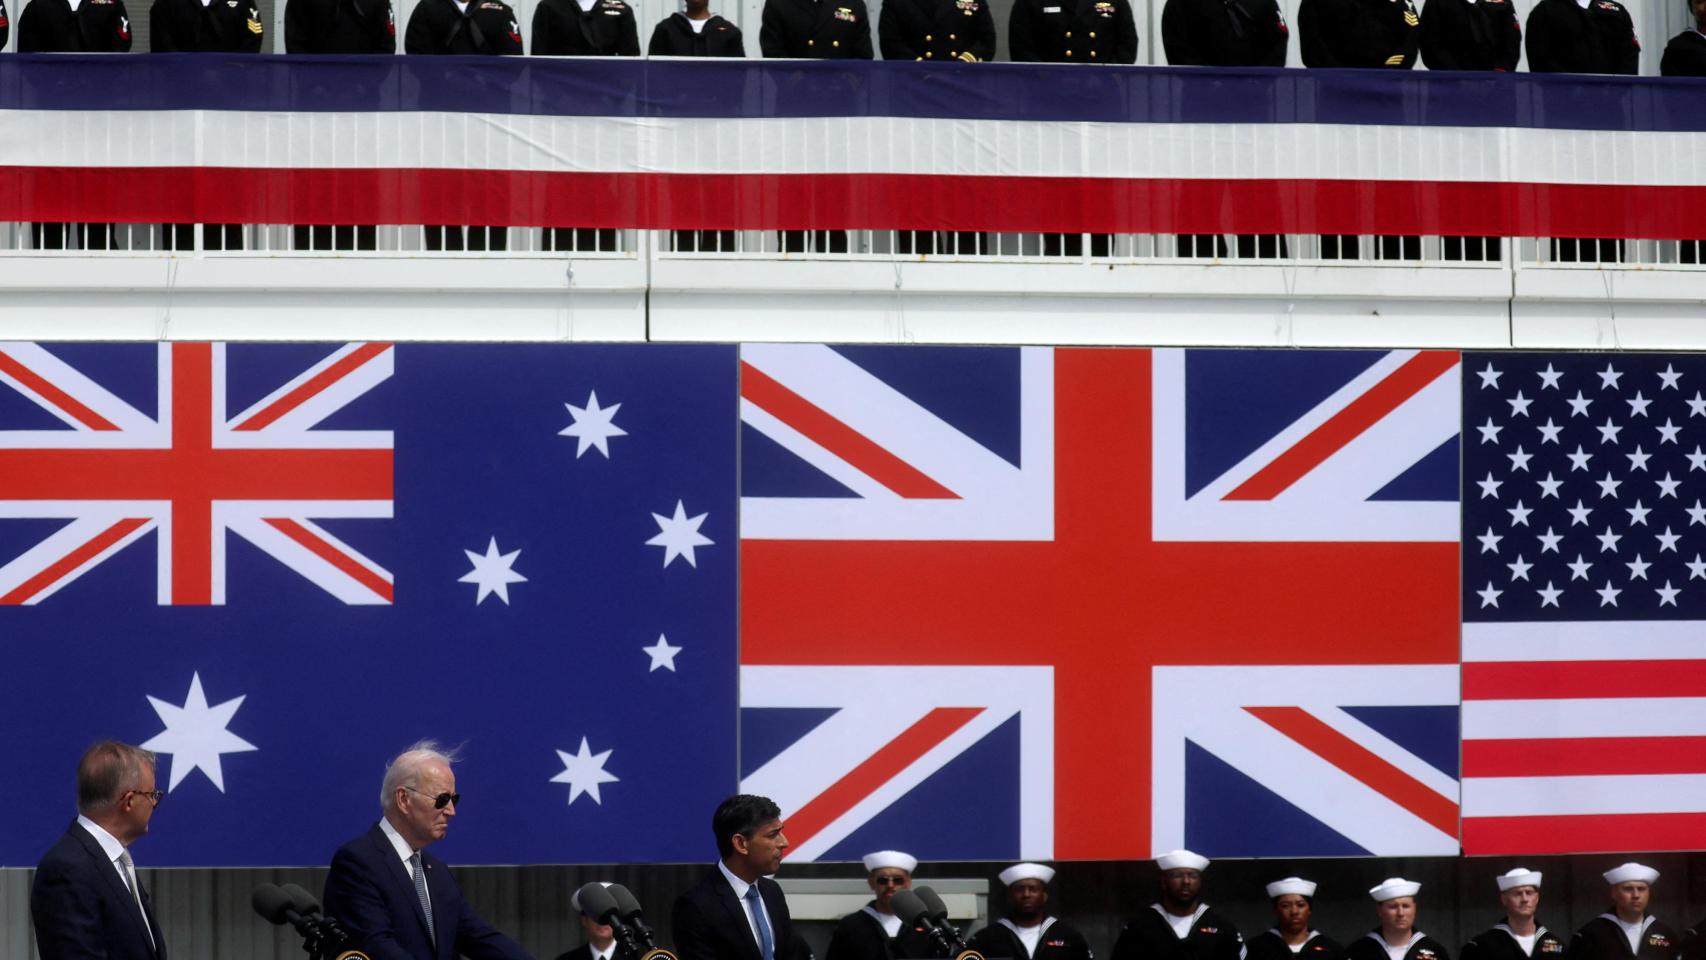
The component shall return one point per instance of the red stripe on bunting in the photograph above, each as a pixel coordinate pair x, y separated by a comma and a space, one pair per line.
858, 201
1619, 832
1584, 679
1584, 757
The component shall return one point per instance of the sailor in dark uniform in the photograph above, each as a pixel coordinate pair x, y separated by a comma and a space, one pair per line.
600, 938
1291, 937
1397, 937
1519, 937
1471, 35
1627, 932
821, 29
874, 932
595, 28
696, 32
1694, 938
1598, 36
1685, 54
57, 26
1028, 932
1072, 31
1179, 926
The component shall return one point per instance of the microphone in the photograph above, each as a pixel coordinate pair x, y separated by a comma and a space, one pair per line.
277, 907
911, 910
321, 936
939, 918
600, 904
629, 909
302, 900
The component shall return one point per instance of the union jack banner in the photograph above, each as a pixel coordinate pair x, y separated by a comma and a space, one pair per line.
190, 472
1187, 595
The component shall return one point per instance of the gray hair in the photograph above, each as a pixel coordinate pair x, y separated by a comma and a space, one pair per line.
107, 770
405, 769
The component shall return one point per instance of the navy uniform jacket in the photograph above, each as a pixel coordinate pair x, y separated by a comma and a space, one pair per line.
560, 29
1460, 35
936, 30
339, 26
1564, 38
488, 27
1148, 936
1360, 33
1059, 941
1271, 946
1602, 939
1499, 944
1072, 31
96, 26
1685, 56
223, 26
82, 908
1371, 947
860, 936
824, 29
674, 37
1224, 33
370, 892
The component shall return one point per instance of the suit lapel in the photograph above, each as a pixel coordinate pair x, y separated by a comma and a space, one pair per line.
115, 885
399, 871
736, 913
443, 922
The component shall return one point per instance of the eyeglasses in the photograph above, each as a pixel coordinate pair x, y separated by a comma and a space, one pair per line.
895, 881
439, 802
154, 795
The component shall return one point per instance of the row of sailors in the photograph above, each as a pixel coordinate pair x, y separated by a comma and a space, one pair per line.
1563, 36
1180, 926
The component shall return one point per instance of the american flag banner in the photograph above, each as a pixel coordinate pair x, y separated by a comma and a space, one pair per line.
278, 565
1104, 593
845, 144
1584, 592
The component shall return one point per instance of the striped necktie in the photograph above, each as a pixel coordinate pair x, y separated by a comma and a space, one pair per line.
415, 867
766, 944
127, 869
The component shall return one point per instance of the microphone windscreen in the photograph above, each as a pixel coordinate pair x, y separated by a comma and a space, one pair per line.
271, 902
301, 899
908, 907
938, 909
626, 904
596, 902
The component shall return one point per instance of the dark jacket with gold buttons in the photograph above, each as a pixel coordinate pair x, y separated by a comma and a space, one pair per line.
1360, 33
936, 30
825, 29
1072, 31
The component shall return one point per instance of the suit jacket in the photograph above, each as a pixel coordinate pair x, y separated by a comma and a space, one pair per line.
710, 924
82, 909
370, 892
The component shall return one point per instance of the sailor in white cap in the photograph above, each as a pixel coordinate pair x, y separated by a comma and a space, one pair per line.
600, 939
1627, 931
1397, 937
1029, 930
1179, 926
1291, 937
1519, 936
874, 932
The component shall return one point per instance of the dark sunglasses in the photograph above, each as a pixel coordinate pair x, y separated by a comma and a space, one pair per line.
439, 802
895, 881
154, 795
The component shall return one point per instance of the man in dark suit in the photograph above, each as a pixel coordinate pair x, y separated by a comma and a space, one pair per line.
737, 912
384, 888
86, 901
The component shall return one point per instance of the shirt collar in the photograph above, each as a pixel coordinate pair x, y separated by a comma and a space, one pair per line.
404, 851
604, 954
734, 881
110, 844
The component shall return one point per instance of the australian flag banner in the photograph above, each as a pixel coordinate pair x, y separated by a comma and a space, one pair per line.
277, 566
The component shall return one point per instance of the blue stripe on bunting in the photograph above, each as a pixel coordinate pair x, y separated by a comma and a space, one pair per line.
805, 88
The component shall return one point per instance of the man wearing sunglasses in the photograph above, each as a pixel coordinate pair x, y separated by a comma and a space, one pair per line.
86, 900
399, 902
874, 932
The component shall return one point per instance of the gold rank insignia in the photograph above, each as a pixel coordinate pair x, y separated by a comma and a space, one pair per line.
254, 26
845, 13
1395, 60
1410, 19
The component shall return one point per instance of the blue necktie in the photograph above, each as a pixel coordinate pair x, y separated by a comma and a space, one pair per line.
766, 944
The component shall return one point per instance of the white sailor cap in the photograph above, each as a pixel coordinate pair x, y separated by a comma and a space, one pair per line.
575, 899
1297, 885
1393, 887
890, 858
1631, 871
1519, 877
1181, 860
1026, 871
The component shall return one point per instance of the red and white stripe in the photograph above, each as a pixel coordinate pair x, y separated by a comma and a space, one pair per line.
193, 474
410, 167
1583, 736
